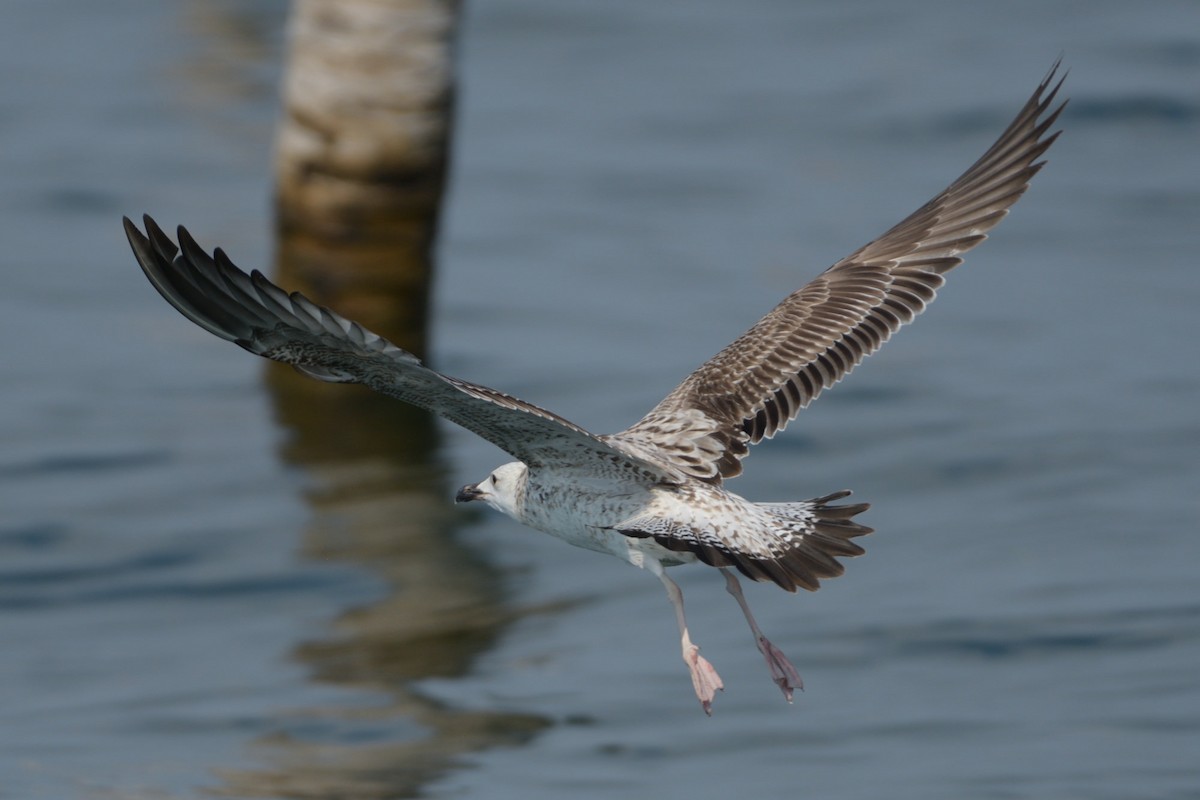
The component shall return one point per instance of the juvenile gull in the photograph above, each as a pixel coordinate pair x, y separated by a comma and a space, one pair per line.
654, 493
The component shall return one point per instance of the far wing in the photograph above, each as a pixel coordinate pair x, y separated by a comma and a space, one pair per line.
751, 390
258, 316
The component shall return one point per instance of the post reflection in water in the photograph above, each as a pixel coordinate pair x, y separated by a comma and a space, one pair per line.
381, 500
379, 497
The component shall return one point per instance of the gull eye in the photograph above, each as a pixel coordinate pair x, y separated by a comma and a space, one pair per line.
493, 479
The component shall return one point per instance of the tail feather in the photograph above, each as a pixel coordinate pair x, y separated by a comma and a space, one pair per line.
793, 545
814, 534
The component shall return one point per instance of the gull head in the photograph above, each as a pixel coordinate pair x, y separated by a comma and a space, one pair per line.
501, 490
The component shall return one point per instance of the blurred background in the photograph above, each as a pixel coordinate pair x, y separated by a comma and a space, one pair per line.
214, 581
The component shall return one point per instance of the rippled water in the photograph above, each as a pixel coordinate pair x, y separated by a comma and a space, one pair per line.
213, 582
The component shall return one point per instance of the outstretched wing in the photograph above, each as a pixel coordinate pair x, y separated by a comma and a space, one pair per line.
257, 315
751, 390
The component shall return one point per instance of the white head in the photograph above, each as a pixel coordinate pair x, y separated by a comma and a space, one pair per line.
503, 490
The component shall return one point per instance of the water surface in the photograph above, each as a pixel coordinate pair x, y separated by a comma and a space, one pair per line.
207, 587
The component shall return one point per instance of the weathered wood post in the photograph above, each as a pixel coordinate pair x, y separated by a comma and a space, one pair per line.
361, 157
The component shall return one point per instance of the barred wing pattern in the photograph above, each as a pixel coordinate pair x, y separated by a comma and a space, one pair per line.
751, 390
257, 315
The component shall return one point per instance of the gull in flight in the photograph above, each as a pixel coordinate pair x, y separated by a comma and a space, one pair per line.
654, 494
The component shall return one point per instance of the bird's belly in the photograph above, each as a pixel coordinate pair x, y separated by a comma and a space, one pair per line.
588, 519
582, 521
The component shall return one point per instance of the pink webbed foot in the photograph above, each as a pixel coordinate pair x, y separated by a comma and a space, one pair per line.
782, 672
705, 679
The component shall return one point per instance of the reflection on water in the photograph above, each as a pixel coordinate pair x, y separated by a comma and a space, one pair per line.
380, 500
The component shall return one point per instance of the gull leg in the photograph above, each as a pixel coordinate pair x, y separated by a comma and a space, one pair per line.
782, 671
705, 679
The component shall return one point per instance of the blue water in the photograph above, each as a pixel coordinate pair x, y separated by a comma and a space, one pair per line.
198, 596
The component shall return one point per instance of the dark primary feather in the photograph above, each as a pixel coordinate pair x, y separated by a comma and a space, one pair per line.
257, 315
751, 390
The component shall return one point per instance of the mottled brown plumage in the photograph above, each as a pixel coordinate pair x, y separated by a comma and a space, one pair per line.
751, 390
